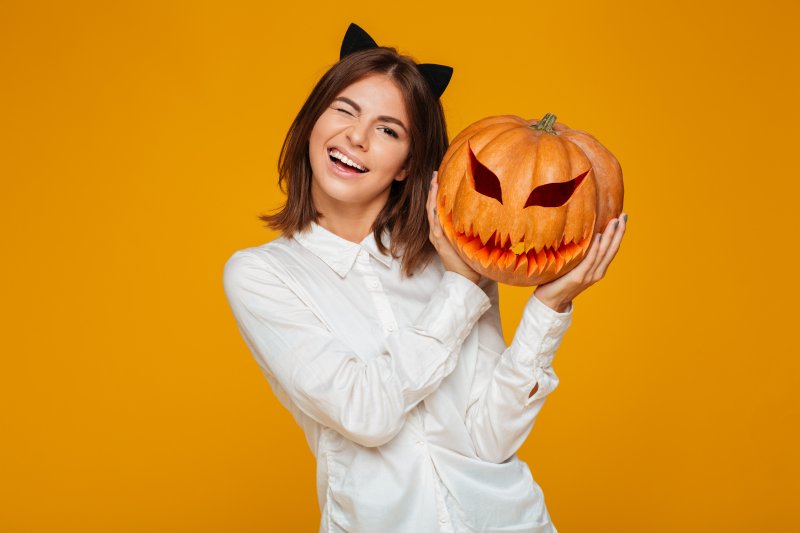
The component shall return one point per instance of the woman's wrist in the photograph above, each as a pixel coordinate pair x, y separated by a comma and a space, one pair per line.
473, 276
558, 305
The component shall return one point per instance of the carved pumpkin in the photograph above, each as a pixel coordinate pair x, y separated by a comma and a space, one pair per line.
520, 200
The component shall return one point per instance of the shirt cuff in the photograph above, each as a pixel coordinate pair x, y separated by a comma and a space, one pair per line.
455, 307
540, 332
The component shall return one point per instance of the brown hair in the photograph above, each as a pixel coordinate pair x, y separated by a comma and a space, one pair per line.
404, 214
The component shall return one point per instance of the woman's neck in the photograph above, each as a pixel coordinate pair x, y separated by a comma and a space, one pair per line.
353, 229
349, 221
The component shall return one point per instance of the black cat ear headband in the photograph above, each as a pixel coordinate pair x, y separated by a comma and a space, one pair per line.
356, 39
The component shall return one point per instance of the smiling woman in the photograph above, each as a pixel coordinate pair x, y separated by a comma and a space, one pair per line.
358, 147
379, 110
391, 356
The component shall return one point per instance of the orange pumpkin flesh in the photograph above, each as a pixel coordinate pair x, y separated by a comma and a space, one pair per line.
520, 200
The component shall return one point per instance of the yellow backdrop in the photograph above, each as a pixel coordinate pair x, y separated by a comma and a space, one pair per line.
138, 144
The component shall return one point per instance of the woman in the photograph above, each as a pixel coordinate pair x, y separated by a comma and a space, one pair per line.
391, 358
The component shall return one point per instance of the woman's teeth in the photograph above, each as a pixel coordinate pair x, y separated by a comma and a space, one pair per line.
336, 154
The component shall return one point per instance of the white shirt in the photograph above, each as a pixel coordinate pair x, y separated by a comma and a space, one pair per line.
410, 400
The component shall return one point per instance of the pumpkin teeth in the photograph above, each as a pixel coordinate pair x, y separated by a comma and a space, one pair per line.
522, 263
507, 241
570, 251
494, 255
487, 238
516, 237
528, 243
510, 260
532, 265
541, 260
472, 247
551, 258
484, 256
559, 260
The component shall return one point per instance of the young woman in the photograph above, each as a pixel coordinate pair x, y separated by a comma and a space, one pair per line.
387, 348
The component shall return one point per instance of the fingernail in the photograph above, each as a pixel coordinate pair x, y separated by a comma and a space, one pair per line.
625, 217
616, 223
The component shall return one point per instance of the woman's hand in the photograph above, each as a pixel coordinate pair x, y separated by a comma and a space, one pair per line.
450, 259
558, 293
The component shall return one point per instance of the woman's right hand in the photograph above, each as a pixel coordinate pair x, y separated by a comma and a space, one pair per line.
558, 293
450, 259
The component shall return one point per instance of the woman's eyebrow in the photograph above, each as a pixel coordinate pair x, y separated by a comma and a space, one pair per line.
384, 118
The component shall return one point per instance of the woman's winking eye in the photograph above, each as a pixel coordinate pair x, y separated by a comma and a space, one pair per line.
388, 131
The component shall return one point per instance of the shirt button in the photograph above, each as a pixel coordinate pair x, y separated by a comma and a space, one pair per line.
373, 284
390, 327
420, 443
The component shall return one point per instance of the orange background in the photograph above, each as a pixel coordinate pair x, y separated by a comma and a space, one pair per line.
138, 145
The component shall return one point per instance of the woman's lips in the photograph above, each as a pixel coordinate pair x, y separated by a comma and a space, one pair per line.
346, 172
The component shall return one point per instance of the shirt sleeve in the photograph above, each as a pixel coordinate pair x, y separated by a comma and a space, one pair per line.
500, 413
364, 400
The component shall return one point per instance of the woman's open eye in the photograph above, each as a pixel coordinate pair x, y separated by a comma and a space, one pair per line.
390, 131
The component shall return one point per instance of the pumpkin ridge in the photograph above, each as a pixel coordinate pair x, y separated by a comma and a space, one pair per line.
458, 142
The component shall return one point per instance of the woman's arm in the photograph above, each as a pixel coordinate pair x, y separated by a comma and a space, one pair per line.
512, 382
504, 405
366, 401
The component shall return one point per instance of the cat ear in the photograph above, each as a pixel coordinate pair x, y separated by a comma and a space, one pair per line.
355, 39
437, 76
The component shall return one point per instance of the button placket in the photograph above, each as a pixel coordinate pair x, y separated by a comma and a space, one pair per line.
379, 298
445, 524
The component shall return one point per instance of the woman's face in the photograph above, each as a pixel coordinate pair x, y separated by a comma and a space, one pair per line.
366, 125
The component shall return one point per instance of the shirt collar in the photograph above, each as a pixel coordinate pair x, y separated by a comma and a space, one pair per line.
339, 253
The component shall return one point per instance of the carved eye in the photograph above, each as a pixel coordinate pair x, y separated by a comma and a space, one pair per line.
484, 180
554, 194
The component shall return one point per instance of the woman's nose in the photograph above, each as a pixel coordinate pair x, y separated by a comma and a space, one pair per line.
358, 135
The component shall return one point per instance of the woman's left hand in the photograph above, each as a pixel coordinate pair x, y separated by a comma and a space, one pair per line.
558, 293
448, 255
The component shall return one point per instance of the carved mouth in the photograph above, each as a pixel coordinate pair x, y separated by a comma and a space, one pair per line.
514, 257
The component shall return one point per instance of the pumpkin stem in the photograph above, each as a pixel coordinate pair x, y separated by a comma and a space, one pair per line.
546, 124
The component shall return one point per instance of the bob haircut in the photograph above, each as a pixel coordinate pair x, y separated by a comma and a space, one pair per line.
404, 214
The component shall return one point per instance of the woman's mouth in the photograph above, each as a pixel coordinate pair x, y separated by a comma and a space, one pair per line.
345, 165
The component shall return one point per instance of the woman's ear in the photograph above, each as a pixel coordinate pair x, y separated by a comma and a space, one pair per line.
403, 174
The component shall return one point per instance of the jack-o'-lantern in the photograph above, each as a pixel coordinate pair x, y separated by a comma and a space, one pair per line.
520, 200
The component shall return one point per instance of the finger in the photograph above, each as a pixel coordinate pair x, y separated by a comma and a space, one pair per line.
430, 194
581, 271
437, 225
613, 248
589, 261
429, 207
605, 243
